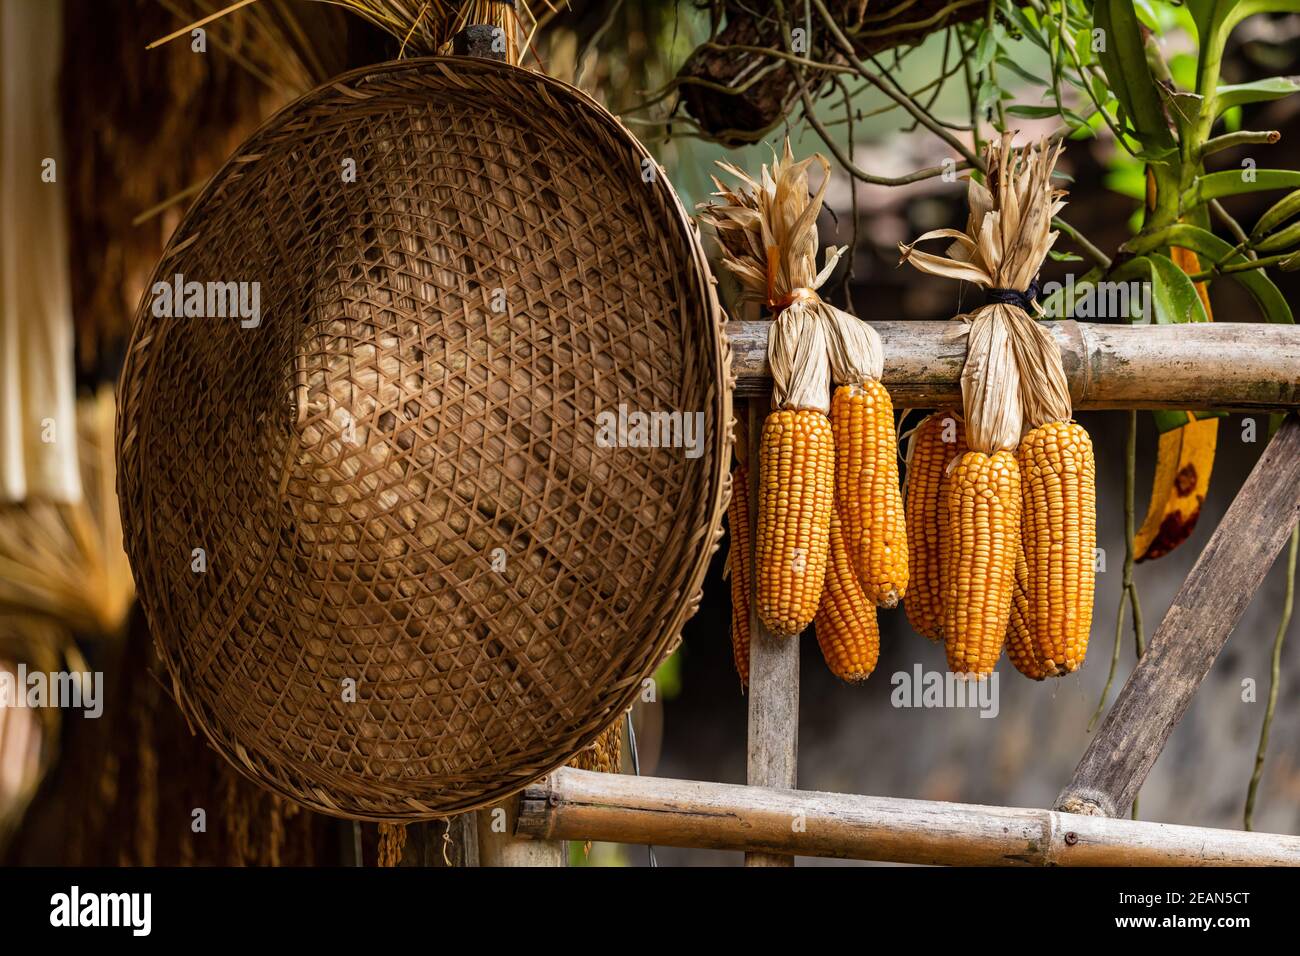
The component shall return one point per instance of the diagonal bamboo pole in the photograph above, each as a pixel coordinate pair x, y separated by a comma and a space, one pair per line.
1197, 626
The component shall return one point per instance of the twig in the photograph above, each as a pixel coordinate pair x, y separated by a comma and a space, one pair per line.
1128, 593
1234, 227
199, 23
1088, 249
780, 55
993, 76
1219, 269
1274, 680
1240, 138
167, 203
889, 90
846, 282
1130, 525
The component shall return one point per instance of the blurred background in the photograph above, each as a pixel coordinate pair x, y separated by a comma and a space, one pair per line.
135, 133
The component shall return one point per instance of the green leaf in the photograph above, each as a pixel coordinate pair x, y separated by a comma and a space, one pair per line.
1011, 64
1160, 154
1031, 31
1234, 182
1212, 249
1033, 112
1173, 294
1209, 13
1100, 91
985, 49
1281, 240
1278, 213
1260, 91
1182, 67
1129, 179
1168, 421
1064, 256
1124, 61
987, 95
1184, 109
1083, 45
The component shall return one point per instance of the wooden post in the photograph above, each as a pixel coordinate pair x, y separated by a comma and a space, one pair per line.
440, 845
499, 846
1202, 615
773, 678
579, 805
1210, 365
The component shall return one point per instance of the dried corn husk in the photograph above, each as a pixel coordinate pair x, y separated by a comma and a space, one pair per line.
767, 229
1013, 369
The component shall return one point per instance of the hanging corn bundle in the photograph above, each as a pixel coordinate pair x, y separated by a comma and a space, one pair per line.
768, 233
1008, 234
934, 444
830, 537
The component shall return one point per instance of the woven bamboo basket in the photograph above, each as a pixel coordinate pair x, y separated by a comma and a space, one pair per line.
394, 477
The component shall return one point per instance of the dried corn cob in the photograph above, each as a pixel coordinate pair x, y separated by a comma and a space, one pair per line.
796, 482
1059, 533
1020, 643
738, 558
979, 567
866, 489
846, 620
927, 512
605, 753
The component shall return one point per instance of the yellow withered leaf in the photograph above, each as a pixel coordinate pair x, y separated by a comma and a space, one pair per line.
1184, 460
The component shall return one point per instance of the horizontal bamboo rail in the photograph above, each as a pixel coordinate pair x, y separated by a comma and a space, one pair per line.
579, 805
1219, 365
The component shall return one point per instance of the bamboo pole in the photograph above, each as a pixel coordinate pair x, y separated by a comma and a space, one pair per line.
773, 735
578, 805
498, 845
1218, 365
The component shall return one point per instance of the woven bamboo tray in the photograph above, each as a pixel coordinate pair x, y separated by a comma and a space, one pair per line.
394, 482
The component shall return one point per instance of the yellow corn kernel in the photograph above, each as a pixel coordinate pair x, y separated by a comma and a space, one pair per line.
866, 488
927, 510
738, 558
1020, 643
1059, 531
980, 563
795, 489
605, 753
846, 620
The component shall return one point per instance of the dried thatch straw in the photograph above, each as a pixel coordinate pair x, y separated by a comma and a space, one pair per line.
767, 229
281, 52
1013, 368
64, 562
288, 48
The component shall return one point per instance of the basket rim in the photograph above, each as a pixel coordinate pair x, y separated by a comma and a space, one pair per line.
704, 541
